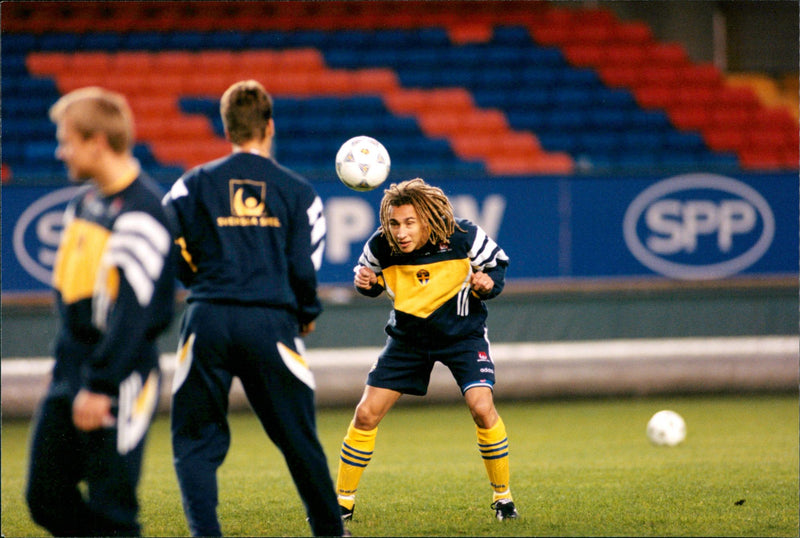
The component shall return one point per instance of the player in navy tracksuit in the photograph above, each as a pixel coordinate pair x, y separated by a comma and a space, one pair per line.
114, 280
252, 235
438, 271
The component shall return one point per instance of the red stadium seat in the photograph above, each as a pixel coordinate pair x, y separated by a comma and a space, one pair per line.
620, 75
90, 62
635, 33
690, 117
47, 63
721, 139
376, 80
175, 62
668, 54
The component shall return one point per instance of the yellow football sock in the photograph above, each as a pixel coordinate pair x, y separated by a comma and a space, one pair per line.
493, 445
356, 453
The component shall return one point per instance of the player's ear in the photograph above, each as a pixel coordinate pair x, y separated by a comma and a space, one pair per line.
99, 141
269, 131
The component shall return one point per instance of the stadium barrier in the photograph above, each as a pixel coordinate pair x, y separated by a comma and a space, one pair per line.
632, 367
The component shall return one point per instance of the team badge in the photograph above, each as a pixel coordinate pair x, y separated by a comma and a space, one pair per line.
423, 276
247, 198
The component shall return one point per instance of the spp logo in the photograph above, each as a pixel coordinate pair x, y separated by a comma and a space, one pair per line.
698, 226
37, 233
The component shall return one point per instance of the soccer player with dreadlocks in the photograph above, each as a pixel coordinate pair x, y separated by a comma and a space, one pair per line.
438, 271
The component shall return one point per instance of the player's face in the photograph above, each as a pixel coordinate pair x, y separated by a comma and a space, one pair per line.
407, 228
78, 154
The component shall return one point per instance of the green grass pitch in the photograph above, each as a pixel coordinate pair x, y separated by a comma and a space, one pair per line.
579, 468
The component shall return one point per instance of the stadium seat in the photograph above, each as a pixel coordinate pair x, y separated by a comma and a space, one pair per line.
139, 40
573, 79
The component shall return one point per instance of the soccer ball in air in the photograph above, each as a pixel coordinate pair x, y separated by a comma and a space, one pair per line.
666, 428
362, 163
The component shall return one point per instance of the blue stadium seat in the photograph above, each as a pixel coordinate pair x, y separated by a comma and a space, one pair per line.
266, 40
558, 141
40, 152
537, 76
225, 40
649, 119
353, 39
574, 97
19, 43
608, 118
637, 160
579, 77
344, 57
532, 120
195, 105
30, 129
493, 77
565, 119
13, 150
307, 38
143, 41
105, 41
544, 57
185, 40
682, 141
13, 65
680, 159
599, 141
67, 41
512, 35
718, 160
650, 141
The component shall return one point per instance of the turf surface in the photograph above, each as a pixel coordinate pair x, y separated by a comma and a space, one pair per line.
579, 468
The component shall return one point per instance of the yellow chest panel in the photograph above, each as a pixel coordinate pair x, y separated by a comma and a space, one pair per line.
421, 289
78, 259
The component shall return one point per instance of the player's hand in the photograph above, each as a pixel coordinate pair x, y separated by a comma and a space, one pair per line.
307, 328
92, 411
365, 278
481, 283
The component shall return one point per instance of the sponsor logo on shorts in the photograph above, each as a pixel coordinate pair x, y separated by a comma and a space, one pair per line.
483, 356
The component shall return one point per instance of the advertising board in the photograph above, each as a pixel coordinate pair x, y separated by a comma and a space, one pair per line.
685, 227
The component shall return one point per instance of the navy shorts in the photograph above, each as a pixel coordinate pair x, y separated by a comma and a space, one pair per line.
407, 369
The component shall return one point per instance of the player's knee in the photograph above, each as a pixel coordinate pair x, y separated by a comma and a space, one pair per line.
366, 418
483, 412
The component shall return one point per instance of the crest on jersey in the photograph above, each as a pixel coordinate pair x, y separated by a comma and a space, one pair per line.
423, 276
248, 198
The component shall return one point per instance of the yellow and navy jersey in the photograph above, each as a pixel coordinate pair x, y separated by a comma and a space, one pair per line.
251, 232
114, 280
430, 287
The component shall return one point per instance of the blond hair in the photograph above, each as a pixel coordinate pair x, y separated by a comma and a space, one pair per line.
246, 109
431, 204
93, 110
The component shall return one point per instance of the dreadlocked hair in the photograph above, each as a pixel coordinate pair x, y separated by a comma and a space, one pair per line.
432, 206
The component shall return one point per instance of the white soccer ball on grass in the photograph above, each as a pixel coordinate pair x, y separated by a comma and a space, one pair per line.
666, 428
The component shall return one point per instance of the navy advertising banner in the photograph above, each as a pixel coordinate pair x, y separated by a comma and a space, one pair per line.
685, 227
